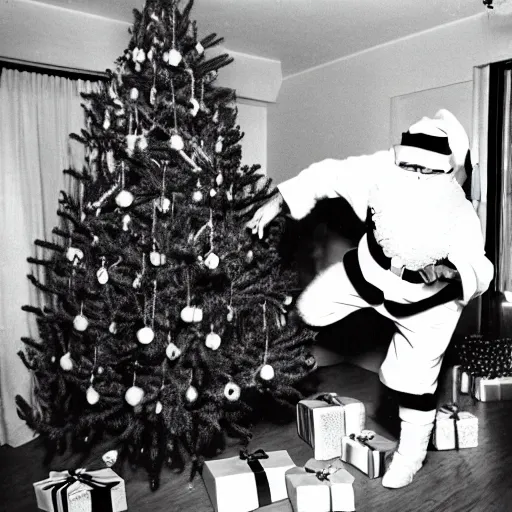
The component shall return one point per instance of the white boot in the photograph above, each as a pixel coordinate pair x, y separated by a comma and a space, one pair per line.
416, 428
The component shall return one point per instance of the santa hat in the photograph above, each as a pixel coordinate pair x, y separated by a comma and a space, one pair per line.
440, 143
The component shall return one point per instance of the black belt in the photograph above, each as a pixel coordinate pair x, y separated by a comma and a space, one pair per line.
411, 276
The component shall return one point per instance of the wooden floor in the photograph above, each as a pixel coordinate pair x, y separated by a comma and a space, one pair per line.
478, 479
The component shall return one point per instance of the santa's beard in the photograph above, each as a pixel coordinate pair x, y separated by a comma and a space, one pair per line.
414, 216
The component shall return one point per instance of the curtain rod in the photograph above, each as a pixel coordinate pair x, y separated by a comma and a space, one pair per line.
46, 68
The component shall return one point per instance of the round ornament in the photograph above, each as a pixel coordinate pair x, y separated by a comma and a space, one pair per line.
165, 57
66, 363
232, 391
190, 314
112, 328
194, 106
158, 407
134, 93
157, 259
141, 56
164, 204
191, 395
249, 256
219, 179
95, 240
53, 359
172, 351
134, 395
199, 48
213, 341
74, 255
100, 370
124, 199
92, 396
230, 315
174, 57
213, 192
177, 142
145, 335
212, 261
267, 372
102, 275
197, 196
288, 300
80, 323
218, 146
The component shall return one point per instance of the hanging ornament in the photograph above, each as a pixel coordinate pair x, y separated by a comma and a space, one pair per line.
165, 57
158, 407
213, 340
213, 192
100, 370
111, 162
92, 395
134, 395
74, 255
137, 281
110, 458
197, 196
249, 256
232, 391
141, 55
172, 351
230, 315
219, 179
218, 145
53, 359
288, 300
174, 57
66, 363
212, 261
152, 95
145, 335
150, 54
164, 204
282, 320
102, 275
142, 142
267, 372
229, 193
80, 323
134, 93
95, 241
215, 117
194, 107
190, 314
112, 328
191, 395
106, 121
137, 67
177, 142
126, 222
157, 259
131, 139
199, 48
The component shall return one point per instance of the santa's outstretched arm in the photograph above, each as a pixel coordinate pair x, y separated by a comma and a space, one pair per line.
351, 179
467, 253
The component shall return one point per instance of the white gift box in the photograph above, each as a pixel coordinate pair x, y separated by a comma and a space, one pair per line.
323, 420
63, 492
236, 485
446, 426
487, 390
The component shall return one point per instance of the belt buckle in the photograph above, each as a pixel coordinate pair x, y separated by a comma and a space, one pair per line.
397, 267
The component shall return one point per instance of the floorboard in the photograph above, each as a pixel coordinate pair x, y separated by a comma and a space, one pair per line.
471, 480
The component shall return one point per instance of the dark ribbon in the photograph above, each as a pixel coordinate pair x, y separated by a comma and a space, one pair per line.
322, 474
330, 399
453, 411
262, 485
101, 500
363, 439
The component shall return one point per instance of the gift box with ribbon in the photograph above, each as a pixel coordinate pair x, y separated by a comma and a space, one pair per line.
367, 452
81, 491
325, 418
247, 482
320, 487
453, 428
487, 390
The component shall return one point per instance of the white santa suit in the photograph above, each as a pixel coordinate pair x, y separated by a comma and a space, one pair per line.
414, 357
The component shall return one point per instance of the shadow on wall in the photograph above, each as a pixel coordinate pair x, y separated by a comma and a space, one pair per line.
362, 338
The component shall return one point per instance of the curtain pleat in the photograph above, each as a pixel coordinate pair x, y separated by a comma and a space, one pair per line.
37, 113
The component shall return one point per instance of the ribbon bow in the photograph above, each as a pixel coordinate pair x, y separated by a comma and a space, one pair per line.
363, 437
330, 398
251, 457
322, 474
453, 411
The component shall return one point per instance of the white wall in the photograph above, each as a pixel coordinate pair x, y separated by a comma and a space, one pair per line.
41, 33
343, 108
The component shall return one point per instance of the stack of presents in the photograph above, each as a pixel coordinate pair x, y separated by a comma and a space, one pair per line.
333, 426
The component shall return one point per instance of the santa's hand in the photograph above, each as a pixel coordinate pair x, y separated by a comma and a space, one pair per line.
432, 273
265, 215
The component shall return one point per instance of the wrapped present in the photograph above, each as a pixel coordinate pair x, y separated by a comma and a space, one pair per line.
367, 452
318, 487
487, 390
247, 482
324, 419
81, 491
455, 429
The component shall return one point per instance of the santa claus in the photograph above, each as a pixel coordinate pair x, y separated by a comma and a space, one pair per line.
421, 260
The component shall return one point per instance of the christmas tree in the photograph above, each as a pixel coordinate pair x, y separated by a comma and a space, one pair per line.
165, 322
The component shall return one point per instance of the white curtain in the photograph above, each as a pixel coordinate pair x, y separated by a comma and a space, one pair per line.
37, 113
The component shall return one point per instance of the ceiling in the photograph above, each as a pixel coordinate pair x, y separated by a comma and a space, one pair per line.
302, 33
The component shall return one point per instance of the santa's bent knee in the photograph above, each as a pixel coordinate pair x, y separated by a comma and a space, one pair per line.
314, 311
